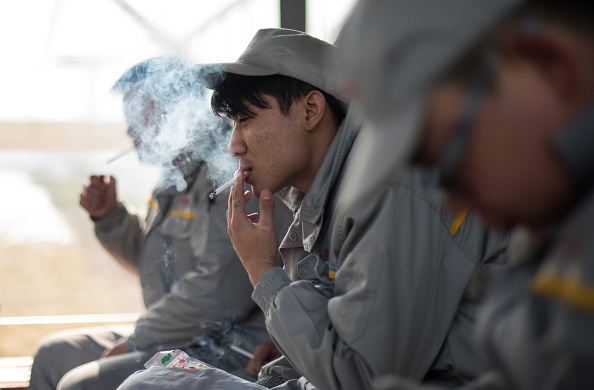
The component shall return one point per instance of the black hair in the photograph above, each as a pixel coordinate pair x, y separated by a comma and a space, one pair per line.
236, 92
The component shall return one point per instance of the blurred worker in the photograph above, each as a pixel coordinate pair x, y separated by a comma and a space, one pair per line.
197, 294
379, 286
506, 93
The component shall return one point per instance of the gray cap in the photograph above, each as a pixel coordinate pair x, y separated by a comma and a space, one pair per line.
279, 51
389, 53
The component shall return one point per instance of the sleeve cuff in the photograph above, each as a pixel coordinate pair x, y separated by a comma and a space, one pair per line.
268, 286
270, 381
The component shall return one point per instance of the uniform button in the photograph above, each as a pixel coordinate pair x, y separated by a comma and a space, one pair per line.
293, 236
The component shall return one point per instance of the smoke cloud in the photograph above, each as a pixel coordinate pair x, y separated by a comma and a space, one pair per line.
171, 123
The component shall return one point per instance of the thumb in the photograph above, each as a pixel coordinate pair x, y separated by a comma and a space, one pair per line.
266, 207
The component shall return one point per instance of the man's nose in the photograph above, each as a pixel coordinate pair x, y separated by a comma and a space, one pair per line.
237, 146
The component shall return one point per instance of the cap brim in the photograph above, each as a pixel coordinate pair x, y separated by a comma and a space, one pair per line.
379, 156
211, 75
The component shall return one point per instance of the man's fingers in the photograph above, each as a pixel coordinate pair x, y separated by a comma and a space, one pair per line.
97, 183
266, 208
254, 366
253, 217
99, 196
229, 199
96, 179
236, 205
237, 192
93, 197
111, 189
263, 353
83, 202
247, 195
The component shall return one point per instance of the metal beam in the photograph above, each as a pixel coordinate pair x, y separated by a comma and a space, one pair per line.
167, 43
292, 14
213, 20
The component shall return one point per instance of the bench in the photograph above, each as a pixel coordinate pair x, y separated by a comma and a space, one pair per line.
15, 372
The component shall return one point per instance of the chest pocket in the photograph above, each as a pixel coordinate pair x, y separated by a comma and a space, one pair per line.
317, 271
182, 218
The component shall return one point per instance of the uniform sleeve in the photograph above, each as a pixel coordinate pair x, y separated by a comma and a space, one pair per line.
400, 278
276, 373
216, 290
120, 233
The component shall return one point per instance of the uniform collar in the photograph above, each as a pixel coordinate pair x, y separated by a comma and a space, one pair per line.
309, 207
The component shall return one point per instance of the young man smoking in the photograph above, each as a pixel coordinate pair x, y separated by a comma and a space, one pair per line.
364, 290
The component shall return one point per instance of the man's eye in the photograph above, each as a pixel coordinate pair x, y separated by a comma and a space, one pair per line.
242, 120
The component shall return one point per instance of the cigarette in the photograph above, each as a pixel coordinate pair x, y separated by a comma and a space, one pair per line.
241, 351
121, 154
221, 189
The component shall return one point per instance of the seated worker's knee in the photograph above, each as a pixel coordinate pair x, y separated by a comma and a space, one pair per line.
48, 346
46, 356
80, 378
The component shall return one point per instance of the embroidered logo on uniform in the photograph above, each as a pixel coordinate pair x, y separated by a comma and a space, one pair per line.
184, 201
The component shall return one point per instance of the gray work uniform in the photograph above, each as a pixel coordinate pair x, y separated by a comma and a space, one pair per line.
197, 293
380, 287
386, 283
537, 327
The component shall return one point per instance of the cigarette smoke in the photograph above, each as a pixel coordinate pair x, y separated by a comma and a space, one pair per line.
171, 123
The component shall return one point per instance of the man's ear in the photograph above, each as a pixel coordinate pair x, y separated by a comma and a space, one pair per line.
550, 58
315, 107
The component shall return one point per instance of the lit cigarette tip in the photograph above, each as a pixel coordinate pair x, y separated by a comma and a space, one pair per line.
221, 189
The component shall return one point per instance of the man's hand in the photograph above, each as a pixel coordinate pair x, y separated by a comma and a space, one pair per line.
263, 353
119, 348
256, 244
99, 197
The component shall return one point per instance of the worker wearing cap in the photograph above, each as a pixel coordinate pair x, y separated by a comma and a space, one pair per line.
380, 286
197, 294
505, 92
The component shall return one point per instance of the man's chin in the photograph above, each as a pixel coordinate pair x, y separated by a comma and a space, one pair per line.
256, 193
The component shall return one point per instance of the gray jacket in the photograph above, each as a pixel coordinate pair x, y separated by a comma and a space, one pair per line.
192, 282
379, 287
537, 326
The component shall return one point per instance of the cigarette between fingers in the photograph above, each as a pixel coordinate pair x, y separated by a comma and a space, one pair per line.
221, 188
241, 351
